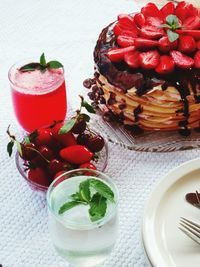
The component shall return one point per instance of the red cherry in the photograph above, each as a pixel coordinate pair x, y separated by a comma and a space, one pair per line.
27, 152
132, 59
117, 54
139, 20
83, 138
79, 127
95, 143
166, 65
67, 139
181, 60
39, 161
44, 137
186, 44
39, 176
165, 45
88, 165
149, 60
46, 152
77, 154
58, 174
55, 166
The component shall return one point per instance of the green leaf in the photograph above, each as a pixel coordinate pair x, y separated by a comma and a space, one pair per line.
103, 189
10, 148
30, 67
88, 107
76, 196
54, 64
172, 36
27, 140
164, 26
43, 60
84, 190
32, 136
67, 126
68, 205
98, 206
85, 117
172, 19
19, 148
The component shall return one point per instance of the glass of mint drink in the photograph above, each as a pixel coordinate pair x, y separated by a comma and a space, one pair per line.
82, 207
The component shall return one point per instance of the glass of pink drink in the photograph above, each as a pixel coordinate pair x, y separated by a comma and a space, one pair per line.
39, 97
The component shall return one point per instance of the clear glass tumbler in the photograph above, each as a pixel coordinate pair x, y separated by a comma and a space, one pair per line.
76, 238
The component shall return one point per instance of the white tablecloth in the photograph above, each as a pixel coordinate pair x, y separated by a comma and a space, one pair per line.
65, 30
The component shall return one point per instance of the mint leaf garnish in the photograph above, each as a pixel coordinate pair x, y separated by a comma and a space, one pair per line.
172, 20
68, 205
84, 190
30, 67
54, 64
43, 60
172, 36
67, 126
98, 206
10, 147
94, 193
42, 65
102, 189
171, 26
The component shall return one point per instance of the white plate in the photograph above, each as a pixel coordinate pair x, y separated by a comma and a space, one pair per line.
165, 245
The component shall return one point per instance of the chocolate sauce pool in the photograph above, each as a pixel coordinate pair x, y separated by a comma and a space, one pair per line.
122, 76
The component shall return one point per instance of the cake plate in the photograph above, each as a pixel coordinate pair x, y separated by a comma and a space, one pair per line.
115, 133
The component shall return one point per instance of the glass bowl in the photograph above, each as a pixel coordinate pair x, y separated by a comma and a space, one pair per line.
100, 164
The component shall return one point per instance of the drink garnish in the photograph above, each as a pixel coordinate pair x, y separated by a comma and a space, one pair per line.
86, 195
42, 65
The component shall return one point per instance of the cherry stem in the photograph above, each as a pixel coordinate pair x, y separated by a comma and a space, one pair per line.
33, 149
12, 137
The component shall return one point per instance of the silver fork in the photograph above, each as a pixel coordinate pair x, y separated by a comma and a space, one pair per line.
191, 229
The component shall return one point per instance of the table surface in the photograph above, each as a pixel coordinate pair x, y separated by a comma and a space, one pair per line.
66, 30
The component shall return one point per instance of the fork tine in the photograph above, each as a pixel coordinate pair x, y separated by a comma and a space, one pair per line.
190, 235
190, 222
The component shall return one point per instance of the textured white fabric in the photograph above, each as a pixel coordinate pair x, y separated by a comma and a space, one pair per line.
65, 30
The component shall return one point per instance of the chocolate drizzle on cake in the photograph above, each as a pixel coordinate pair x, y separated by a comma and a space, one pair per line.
120, 75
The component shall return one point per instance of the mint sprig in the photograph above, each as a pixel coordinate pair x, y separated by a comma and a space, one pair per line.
42, 65
94, 193
172, 25
79, 116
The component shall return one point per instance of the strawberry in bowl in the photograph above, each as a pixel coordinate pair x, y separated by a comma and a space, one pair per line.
147, 69
50, 151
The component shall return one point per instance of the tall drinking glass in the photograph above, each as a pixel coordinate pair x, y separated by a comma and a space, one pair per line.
82, 242
39, 97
